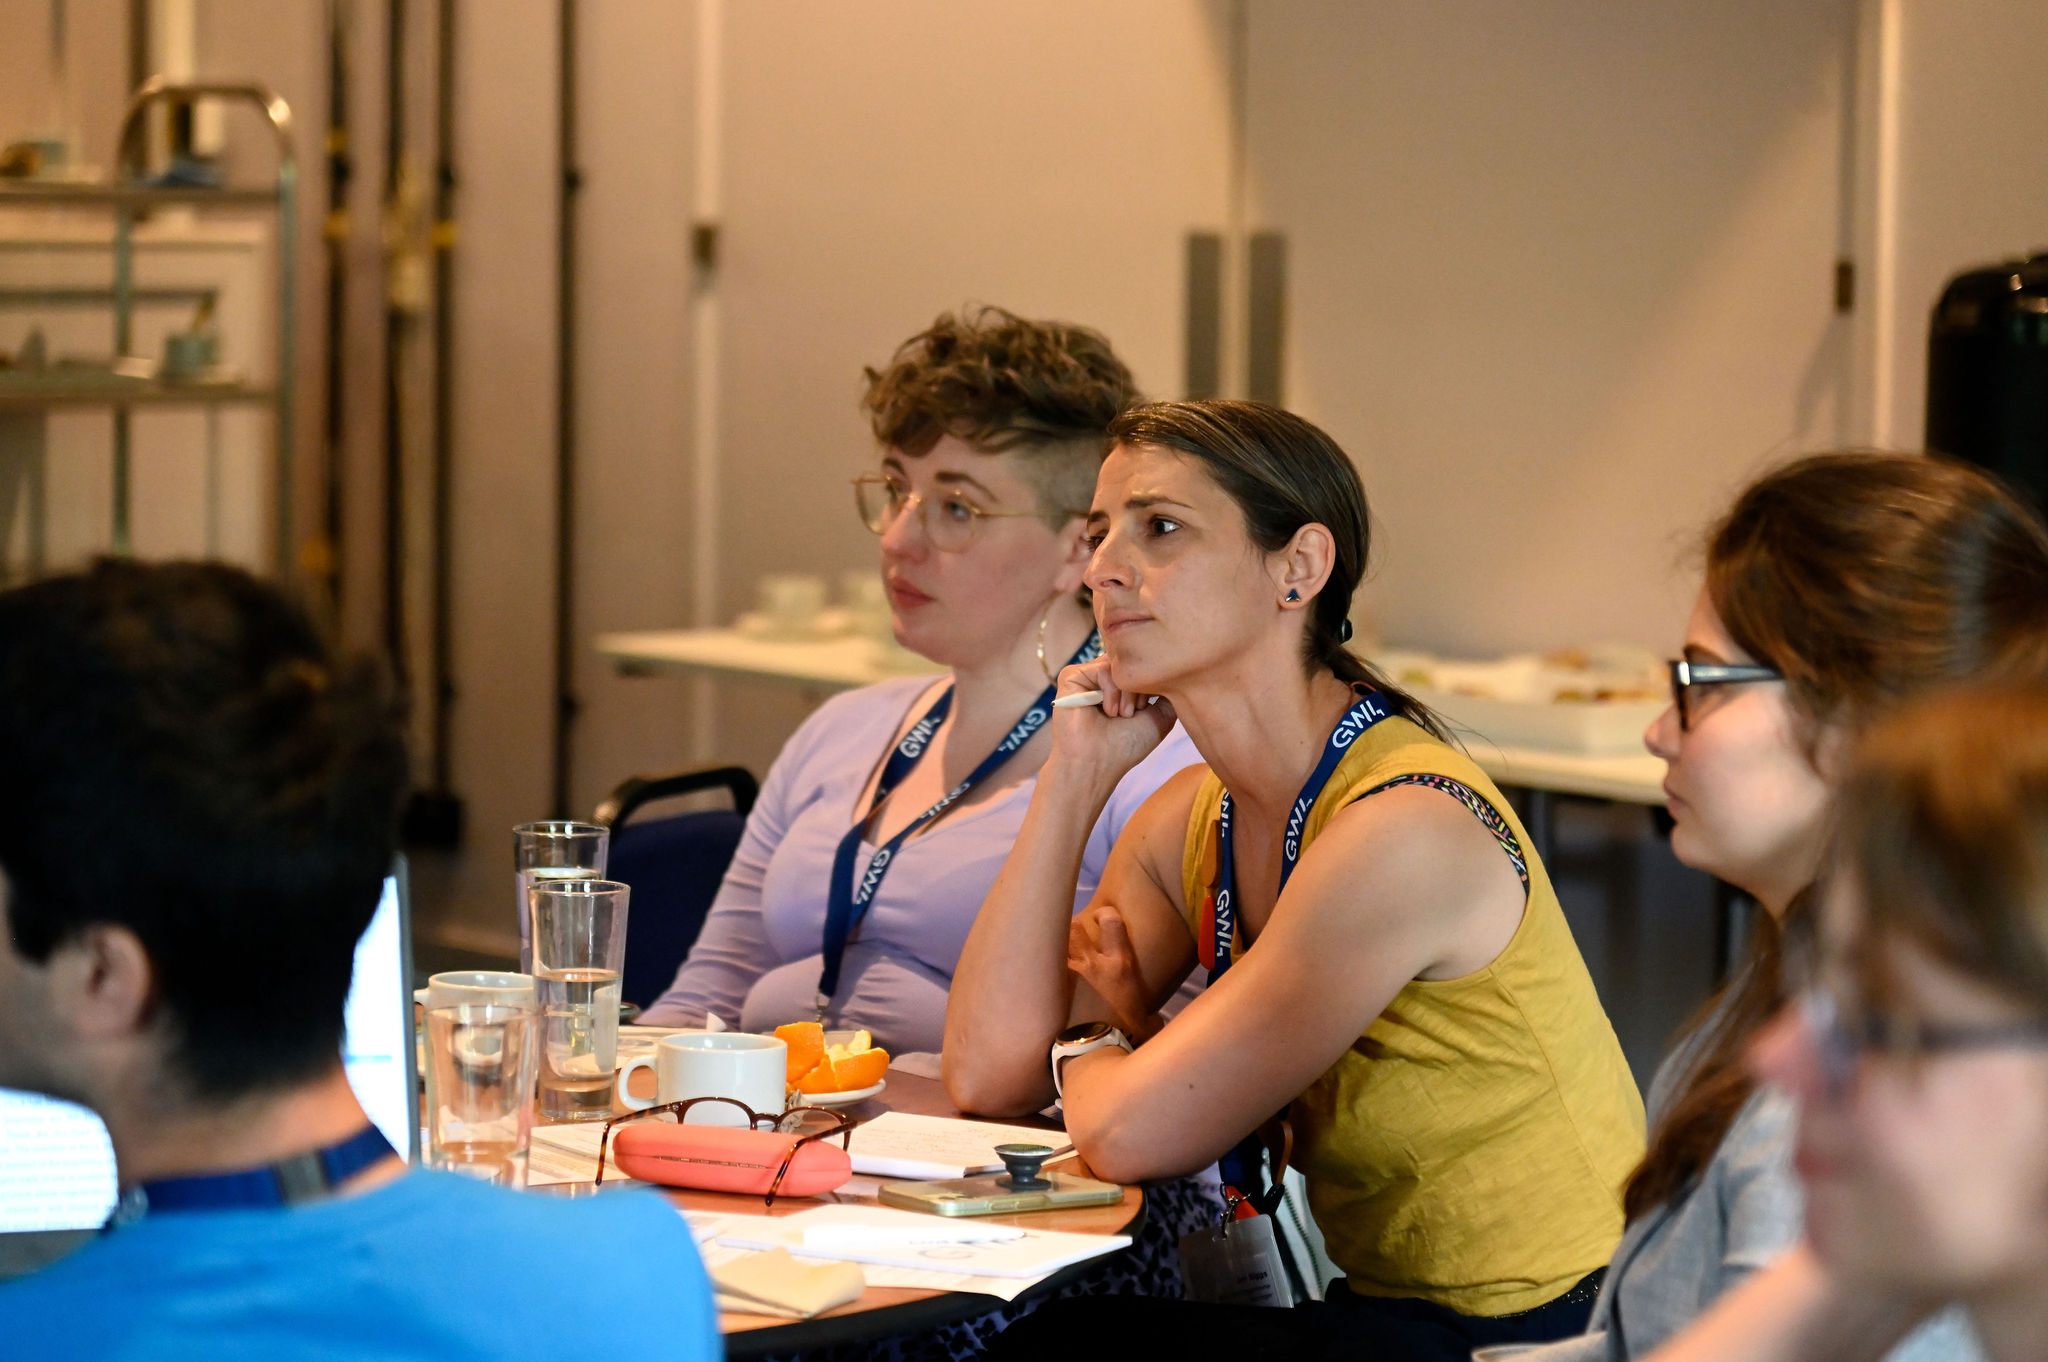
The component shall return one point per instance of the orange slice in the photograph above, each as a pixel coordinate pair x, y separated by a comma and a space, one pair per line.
860, 1069
806, 1042
844, 1072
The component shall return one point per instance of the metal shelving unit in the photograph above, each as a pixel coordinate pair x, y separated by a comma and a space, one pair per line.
131, 382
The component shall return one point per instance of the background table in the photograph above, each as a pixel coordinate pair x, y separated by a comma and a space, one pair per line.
883, 1310
846, 662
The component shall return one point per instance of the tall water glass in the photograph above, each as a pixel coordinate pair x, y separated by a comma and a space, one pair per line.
481, 1060
553, 850
579, 947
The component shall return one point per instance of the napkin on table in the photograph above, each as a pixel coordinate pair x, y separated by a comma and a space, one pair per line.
776, 1283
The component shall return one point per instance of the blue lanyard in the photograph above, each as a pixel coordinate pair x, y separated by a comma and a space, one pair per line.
304, 1178
846, 902
1370, 708
1241, 1167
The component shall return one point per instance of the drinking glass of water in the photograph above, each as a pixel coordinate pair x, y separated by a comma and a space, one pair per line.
553, 850
579, 947
480, 1070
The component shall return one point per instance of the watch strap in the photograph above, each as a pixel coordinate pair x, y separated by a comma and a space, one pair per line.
1064, 1050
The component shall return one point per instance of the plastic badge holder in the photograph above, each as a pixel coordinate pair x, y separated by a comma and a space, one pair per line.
726, 1159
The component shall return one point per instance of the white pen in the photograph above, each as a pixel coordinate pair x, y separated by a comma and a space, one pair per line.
1082, 698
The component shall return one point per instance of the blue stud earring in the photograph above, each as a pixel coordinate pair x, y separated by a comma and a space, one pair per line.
1293, 595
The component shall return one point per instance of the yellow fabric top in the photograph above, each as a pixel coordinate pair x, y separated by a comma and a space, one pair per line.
1471, 1147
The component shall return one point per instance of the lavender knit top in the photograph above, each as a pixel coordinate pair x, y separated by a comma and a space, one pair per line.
756, 963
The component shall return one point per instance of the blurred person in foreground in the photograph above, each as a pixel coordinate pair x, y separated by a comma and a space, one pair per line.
199, 810
1916, 1048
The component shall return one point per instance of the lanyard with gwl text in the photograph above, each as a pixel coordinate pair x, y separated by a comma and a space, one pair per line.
1240, 1167
847, 903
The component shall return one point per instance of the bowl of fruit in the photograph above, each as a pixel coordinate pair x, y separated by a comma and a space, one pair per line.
831, 1068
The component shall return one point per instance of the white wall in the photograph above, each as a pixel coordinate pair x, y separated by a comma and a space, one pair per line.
887, 161
1559, 281
1972, 120
504, 387
635, 356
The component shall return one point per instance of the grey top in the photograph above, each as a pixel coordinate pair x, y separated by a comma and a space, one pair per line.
1744, 1210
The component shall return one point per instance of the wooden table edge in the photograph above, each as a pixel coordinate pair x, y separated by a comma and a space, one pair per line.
885, 1310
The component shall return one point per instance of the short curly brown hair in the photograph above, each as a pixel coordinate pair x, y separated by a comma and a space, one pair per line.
1045, 391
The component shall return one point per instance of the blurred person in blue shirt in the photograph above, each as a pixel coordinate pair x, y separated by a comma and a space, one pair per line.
198, 806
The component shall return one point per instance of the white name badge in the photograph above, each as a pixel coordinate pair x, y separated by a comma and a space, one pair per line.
1237, 1263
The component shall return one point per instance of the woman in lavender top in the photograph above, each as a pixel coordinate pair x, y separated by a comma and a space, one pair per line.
991, 432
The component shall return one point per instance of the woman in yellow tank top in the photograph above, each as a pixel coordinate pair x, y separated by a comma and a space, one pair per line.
1385, 958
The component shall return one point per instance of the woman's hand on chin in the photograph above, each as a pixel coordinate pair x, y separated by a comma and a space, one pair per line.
1101, 743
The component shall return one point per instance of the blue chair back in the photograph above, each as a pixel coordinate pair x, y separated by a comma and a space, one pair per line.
674, 865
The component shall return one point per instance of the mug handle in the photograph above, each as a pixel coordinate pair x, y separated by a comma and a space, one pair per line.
626, 1099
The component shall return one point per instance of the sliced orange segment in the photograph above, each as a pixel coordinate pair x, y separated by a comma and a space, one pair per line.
840, 1071
806, 1042
861, 1069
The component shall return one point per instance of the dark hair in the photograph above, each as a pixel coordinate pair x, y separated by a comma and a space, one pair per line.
1045, 391
1944, 822
1863, 579
184, 758
1283, 473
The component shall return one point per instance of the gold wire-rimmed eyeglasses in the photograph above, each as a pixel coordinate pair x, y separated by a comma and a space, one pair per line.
882, 500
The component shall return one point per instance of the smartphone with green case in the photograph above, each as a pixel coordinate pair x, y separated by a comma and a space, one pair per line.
993, 1195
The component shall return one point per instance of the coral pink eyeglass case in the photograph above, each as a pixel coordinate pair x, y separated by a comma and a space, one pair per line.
726, 1159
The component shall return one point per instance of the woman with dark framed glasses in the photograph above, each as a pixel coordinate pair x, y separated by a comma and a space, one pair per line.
1835, 586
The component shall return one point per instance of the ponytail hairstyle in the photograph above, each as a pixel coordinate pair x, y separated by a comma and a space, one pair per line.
1283, 473
1863, 579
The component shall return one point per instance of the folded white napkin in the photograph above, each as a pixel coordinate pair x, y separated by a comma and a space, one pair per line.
775, 1283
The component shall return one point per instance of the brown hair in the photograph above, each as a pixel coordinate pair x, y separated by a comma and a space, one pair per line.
1944, 825
1045, 391
1864, 579
1283, 473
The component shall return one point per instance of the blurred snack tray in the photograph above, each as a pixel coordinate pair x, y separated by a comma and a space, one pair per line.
1594, 702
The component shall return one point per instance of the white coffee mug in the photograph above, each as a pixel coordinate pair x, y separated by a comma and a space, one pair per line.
480, 987
750, 1069
792, 600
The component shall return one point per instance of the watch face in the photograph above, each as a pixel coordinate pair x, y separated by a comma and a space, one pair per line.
1084, 1031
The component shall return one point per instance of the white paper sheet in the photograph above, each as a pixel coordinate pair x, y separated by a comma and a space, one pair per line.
565, 1153
899, 1145
1033, 1257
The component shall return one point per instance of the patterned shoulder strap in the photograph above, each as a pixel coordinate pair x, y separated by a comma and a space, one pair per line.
1477, 803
